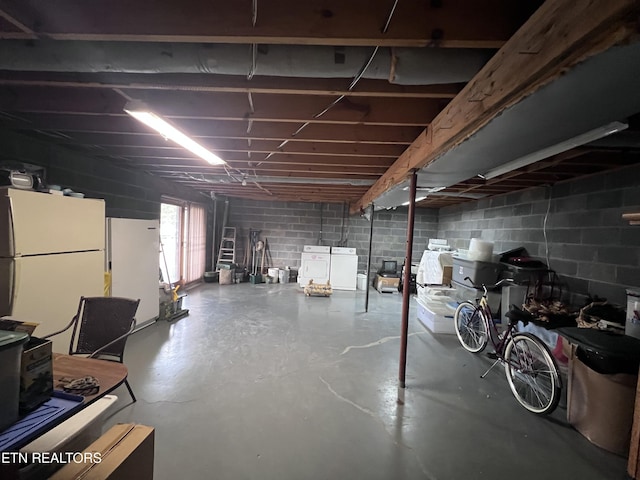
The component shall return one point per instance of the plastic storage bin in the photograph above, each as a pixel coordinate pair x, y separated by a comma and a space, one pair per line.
436, 316
10, 354
479, 272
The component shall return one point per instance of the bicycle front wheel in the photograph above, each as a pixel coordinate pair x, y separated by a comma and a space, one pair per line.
532, 373
471, 327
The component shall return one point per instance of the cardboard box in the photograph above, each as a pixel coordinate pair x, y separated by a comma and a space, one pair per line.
124, 452
36, 374
226, 276
386, 284
447, 273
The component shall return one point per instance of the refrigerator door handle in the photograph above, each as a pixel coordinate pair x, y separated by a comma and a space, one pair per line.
12, 285
12, 230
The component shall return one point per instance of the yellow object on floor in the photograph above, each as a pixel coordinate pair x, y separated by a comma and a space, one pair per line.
318, 289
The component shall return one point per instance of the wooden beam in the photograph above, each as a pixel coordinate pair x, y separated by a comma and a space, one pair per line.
560, 34
27, 33
73, 124
280, 170
229, 84
452, 23
284, 172
151, 145
180, 157
226, 106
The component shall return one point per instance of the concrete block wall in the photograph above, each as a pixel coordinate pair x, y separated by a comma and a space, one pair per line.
390, 235
587, 243
127, 193
288, 226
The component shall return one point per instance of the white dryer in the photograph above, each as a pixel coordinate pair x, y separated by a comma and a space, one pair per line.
344, 268
315, 264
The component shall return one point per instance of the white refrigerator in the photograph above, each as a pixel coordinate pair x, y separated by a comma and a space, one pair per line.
51, 254
132, 258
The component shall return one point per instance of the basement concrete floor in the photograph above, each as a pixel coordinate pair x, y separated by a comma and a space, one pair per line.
261, 382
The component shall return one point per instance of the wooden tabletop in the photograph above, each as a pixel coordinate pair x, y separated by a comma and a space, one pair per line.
110, 375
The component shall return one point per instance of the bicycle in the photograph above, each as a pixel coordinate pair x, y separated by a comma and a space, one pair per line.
530, 368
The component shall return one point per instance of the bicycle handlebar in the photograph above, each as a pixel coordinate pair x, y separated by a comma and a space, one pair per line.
500, 282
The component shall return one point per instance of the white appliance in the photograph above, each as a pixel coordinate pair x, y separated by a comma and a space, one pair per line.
438, 244
132, 248
51, 254
431, 270
344, 268
315, 264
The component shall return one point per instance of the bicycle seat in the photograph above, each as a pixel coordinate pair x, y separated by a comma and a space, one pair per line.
515, 314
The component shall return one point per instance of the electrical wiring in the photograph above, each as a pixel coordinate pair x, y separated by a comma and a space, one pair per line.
544, 227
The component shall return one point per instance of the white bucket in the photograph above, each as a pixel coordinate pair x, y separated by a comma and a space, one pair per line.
632, 327
480, 250
273, 273
362, 281
283, 275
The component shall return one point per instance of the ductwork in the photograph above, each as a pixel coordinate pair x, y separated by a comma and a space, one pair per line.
411, 66
558, 112
265, 179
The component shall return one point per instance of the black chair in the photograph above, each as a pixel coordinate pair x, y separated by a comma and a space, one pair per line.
103, 325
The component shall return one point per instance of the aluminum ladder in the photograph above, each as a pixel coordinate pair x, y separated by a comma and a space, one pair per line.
227, 252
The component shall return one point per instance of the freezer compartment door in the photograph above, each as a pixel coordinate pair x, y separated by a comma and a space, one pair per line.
33, 223
132, 253
48, 288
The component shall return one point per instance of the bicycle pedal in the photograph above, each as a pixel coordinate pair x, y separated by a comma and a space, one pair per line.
492, 355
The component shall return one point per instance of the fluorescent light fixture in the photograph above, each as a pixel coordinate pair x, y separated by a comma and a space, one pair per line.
427, 189
547, 152
142, 113
419, 199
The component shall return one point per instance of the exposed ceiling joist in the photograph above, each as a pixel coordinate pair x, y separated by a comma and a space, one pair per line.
72, 124
225, 106
337, 93
235, 84
452, 23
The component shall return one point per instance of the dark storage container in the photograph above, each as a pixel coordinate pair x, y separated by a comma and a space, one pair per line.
36, 374
10, 355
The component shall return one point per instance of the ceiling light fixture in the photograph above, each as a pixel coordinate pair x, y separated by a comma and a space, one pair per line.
427, 189
143, 113
419, 199
547, 152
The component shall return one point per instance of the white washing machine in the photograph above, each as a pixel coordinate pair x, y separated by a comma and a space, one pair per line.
315, 264
344, 268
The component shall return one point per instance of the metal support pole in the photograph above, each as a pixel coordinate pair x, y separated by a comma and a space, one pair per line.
366, 302
214, 239
406, 290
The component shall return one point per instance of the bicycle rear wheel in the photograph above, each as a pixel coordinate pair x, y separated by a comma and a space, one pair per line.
471, 327
532, 373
